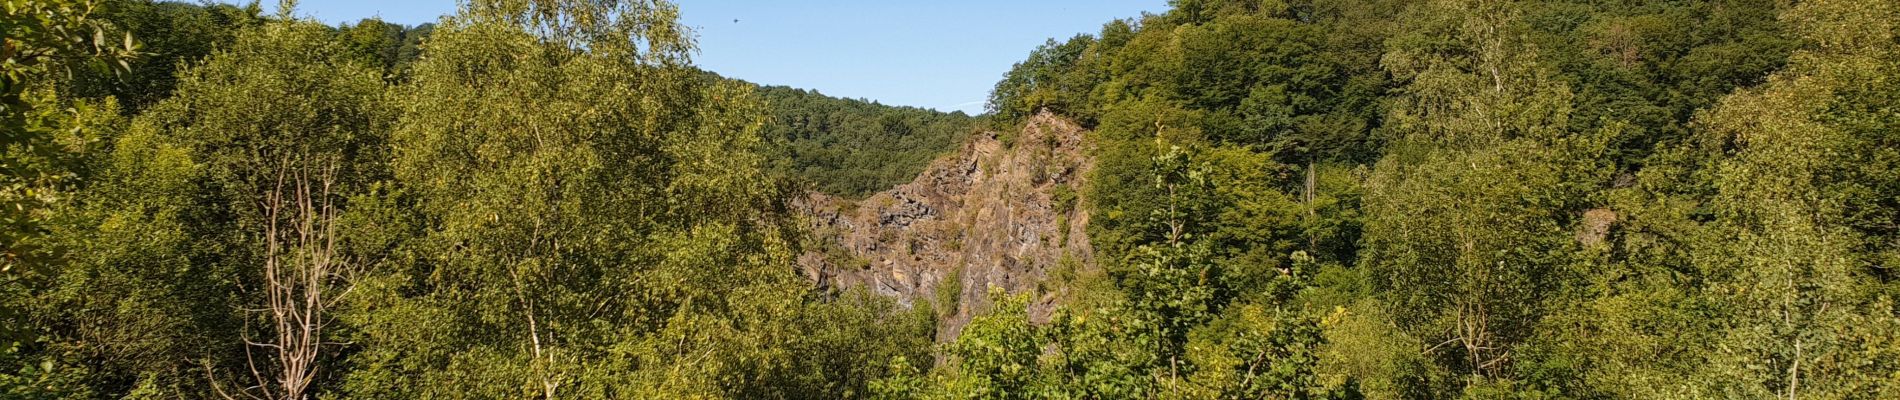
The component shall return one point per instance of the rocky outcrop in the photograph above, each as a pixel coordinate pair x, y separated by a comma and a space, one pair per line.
993, 215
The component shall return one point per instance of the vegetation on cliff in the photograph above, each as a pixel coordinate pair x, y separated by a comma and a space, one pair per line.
1299, 199
1469, 199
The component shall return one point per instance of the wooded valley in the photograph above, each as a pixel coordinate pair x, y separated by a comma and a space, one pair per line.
1231, 199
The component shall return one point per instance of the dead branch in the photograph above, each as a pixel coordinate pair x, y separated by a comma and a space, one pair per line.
304, 276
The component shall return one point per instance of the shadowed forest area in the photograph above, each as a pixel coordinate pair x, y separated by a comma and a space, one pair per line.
1288, 199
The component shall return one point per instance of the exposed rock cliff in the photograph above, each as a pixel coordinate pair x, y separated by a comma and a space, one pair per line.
994, 214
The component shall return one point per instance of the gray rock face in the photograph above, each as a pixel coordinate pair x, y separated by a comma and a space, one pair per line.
991, 215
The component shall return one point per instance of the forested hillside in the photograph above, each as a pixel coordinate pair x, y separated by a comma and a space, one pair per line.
853, 147
527, 199
1469, 199
1279, 199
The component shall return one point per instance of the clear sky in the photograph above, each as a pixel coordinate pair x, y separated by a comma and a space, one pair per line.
935, 54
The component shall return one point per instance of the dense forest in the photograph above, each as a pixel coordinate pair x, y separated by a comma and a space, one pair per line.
852, 147
1292, 199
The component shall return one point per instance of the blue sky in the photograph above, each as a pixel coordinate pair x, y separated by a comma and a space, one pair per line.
935, 54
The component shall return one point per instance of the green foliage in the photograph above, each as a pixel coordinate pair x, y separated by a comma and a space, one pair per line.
1049, 80
27, 369
53, 39
169, 36
548, 256
567, 258
1184, 313
849, 147
1255, 352
1543, 219
1265, 75
44, 136
1308, 199
1648, 67
1173, 264
996, 355
167, 243
1788, 280
44, 42
393, 47
1480, 122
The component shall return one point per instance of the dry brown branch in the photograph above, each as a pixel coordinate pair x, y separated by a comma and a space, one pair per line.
304, 277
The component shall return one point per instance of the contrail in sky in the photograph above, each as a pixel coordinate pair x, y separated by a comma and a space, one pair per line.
960, 106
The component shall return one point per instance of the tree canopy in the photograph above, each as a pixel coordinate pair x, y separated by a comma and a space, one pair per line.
1290, 199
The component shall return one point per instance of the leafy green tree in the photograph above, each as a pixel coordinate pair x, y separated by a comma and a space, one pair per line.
1174, 284
997, 354
1050, 79
1468, 215
1647, 68
45, 42
1315, 199
393, 47
1255, 352
1732, 244
550, 189
1177, 318
170, 36
43, 137
1799, 318
170, 245
591, 223
1103, 352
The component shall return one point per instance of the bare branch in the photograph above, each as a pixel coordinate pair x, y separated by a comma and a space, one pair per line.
303, 276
